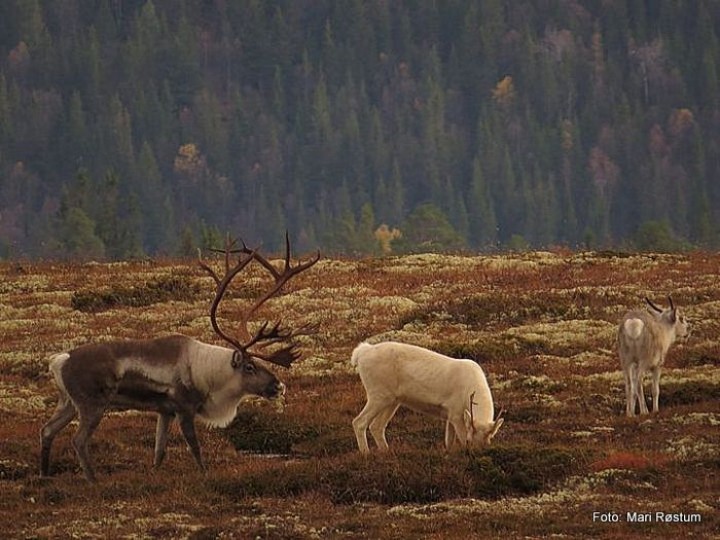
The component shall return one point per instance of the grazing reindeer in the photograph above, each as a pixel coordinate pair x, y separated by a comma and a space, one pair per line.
396, 374
176, 376
643, 341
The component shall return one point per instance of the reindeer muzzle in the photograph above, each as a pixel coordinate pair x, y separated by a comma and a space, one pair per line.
275, 390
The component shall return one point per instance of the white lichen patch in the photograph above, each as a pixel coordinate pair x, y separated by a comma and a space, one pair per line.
692, 448
607, 378
700, 506
181, 524
591, 358
625, 479
530, 261
599, 431
534, 382
332, 266
429, 262
118, 524
10, 469
707, 373
281, 525
317, 366
12, 361
565, 335
706, 419
508, 507
546, 400
396, 305
408, 334
21, 399
574, 492
25, 284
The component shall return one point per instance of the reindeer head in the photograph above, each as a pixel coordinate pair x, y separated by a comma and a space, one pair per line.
481, 432
672, 316
258, 345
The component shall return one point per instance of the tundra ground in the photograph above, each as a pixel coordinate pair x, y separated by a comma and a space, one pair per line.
567, 462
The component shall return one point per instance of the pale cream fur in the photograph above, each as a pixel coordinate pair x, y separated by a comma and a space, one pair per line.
398, 374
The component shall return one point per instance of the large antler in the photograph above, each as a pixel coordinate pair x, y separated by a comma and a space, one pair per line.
222, 283
267, 335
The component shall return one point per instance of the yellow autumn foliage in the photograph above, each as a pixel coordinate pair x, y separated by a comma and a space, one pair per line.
385, 236
504, 91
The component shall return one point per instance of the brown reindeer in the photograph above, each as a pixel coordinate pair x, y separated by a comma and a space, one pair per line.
175, 376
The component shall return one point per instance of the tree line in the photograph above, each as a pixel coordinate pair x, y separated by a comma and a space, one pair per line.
131, 128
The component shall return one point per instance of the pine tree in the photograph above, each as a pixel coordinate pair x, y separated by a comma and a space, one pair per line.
482, 221
76, 233
6, 124
428, 229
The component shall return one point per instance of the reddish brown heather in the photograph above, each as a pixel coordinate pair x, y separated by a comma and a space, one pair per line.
542, 325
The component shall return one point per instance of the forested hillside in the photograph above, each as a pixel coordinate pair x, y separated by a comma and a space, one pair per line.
144, 127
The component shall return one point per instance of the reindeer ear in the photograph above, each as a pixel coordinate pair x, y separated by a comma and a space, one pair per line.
496, 426
237, 359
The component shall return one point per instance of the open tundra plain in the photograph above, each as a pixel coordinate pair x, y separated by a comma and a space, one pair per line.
567, 462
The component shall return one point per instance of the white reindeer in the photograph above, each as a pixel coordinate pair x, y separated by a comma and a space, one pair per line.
175, 376
396, 374
643, 342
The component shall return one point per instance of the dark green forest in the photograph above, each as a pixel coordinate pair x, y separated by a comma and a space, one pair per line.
133, 128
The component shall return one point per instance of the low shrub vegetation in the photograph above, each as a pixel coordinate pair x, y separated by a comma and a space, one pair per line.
411, 475
165, 289
542, 325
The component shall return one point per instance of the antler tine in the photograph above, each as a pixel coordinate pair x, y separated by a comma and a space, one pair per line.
229, 245
500, 414
653, 305
280, 279
207, 268
277, 334
288, 269
223, 283
472, 416
284, 356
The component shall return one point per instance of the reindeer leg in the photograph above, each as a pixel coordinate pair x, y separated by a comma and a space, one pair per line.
449, 435
89, 420
360, 424
629, 398
641, 392
631, 395
161, 432
64, 413
656, 388
378, 425
187, 426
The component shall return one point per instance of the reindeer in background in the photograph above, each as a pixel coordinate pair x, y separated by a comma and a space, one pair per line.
643, 342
